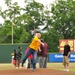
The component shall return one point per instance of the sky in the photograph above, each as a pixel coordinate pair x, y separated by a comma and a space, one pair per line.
21, 3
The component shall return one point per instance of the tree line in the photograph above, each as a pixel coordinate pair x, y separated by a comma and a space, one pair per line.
58, 20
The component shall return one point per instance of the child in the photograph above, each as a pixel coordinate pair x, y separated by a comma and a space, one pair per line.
19, 55
16, 58
29, 59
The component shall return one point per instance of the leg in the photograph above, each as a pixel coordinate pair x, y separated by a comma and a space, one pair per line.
45, 63
67, 64
29, 62
34, 59
64, 62
18, 63
29, 52
26, 64
40, 61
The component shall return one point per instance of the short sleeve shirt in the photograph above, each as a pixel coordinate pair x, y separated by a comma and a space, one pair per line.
35, 44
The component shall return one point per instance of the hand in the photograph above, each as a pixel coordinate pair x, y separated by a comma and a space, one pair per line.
39, 50
42, 44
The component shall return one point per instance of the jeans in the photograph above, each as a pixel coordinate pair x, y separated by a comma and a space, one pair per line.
34, 53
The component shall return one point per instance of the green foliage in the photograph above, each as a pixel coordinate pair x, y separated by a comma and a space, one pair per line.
63, 18
51, 37
35, 9
58, 21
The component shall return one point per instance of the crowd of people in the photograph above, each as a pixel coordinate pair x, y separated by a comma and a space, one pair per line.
34, 47
38, 48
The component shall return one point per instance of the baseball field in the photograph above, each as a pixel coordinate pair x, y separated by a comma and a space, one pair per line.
53, 69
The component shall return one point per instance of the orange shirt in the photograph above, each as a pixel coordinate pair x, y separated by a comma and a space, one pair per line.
35, 44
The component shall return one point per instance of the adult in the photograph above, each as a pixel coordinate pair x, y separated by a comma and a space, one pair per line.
43, 54
66, 55
35, 44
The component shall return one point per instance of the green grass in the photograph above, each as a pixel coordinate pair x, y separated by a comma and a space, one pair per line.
59, 66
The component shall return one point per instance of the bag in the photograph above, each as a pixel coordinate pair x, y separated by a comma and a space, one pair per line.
13, 61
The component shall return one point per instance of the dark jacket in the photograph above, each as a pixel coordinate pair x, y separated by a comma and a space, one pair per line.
16, 55
44, 50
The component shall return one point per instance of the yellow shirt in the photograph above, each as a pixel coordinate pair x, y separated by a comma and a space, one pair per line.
35, 44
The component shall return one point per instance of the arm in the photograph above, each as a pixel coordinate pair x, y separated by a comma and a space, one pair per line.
39, 49
68, 54
41, 42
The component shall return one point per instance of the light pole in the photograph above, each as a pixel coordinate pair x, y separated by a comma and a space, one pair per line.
12, 32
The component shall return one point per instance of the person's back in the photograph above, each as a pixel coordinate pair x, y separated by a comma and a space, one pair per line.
42, 55
44, 50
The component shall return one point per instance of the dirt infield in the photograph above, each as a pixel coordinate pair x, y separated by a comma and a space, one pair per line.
53, 69
37, 72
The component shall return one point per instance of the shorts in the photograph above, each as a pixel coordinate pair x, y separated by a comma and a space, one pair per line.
65, 61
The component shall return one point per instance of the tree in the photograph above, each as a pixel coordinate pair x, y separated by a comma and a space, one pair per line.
11, 15
35, 11
60, 24
63, 18
24, 22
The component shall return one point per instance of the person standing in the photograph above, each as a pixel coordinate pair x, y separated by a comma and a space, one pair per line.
35, 44
16, 58
66, 55
43, 54
29, 59
19, 55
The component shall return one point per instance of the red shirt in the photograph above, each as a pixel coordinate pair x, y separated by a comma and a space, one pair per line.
30, 56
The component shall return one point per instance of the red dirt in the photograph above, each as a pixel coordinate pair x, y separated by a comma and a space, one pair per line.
37, 72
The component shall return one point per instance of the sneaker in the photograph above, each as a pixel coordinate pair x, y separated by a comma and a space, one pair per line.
67, 70
34, 70
22, 65
16, 67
